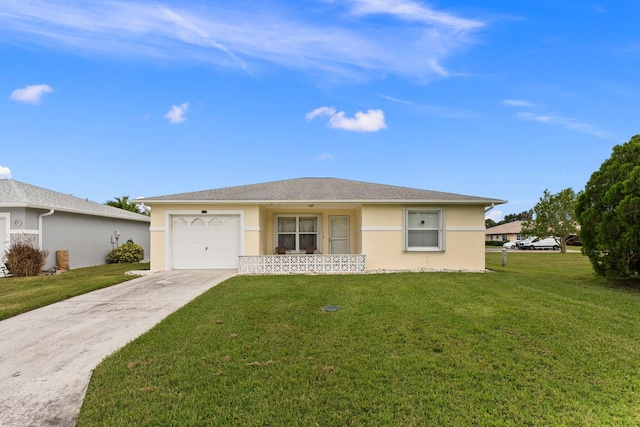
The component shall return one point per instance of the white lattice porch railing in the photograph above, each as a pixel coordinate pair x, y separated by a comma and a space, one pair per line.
285, 264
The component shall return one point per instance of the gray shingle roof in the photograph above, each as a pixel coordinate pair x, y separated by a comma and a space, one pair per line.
18, 194
321, 190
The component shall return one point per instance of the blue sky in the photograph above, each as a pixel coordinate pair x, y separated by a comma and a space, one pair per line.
500, 99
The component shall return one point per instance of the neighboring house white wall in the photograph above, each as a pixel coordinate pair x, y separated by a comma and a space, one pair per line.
4, 233
89, 238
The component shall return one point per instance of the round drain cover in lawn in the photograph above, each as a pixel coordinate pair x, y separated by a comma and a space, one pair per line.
330, 308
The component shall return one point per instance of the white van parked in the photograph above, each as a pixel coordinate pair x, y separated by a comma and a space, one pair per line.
537, 243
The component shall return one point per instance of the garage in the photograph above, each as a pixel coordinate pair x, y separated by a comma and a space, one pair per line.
205, 241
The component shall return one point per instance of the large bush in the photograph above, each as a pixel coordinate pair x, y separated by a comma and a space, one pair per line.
128, 252
609, 214
24, 259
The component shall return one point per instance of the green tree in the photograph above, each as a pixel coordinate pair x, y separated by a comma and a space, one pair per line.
554, 216
609, 214
522, 216
123, 203
488, 223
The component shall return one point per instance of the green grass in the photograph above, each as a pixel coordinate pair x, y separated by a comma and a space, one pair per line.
540, 342
22, 294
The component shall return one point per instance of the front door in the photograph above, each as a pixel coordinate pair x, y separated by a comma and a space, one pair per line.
338, 234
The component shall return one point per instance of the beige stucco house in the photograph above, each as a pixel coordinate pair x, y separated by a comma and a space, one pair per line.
505, 232
317, 225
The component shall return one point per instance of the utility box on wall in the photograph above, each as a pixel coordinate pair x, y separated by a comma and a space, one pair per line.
62, 259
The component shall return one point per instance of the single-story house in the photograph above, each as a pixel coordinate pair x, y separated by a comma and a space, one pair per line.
507, 232
317, 225
55, 221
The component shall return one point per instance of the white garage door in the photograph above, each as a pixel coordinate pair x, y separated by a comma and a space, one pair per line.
205, 241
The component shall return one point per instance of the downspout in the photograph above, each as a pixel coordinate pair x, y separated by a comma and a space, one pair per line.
488, 208
40, 226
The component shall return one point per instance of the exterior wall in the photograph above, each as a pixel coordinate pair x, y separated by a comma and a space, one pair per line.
375, 230
160, 228
156, 228
88, 238
263, 219
269, 224
28, 224
507, 232
4, 233
17, 223
503, 237
252, 231
357, 229
258, 227
383, 239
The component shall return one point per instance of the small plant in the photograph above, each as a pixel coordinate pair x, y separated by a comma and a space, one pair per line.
128, 252
23, 259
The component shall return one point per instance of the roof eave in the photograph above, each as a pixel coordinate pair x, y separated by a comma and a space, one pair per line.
483, 202
143, 218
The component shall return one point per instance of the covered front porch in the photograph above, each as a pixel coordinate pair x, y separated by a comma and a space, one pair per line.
302, 264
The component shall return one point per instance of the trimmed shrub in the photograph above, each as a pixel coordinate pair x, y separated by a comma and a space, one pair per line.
24, 259
128, 252
494, 243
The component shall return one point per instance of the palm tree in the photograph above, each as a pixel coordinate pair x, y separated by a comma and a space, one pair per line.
123, 203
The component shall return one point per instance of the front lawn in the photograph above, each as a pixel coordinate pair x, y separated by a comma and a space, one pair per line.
540, 342
21, 294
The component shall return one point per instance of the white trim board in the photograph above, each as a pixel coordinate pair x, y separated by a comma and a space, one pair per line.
381, 228
466, 228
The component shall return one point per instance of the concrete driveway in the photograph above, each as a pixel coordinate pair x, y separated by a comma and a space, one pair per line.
47, 355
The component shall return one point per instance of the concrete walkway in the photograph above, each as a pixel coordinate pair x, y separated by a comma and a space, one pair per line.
47, 355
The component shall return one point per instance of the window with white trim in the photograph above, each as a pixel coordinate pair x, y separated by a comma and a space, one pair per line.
424, 230
298, 232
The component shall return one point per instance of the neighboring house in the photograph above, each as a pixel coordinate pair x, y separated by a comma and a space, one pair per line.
348, 225
56, 221
505, 232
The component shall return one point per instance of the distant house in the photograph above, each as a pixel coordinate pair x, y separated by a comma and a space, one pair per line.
56, 221
505, 232
318, 225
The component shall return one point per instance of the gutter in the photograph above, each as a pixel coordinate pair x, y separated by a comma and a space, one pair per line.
338, 201
40, 226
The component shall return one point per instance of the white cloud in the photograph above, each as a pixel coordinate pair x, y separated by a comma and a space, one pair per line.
516, 103
399, 101
177, 112
495, 214
325, 156
437, 110
30, 94
321, 111
344, 41
5, 172
413, 11
566, 122
371, 121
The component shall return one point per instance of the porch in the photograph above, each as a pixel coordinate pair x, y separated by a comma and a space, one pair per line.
302, 263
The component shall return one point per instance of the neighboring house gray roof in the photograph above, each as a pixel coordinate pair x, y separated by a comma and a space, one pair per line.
321, 190
18, 194
513, 227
